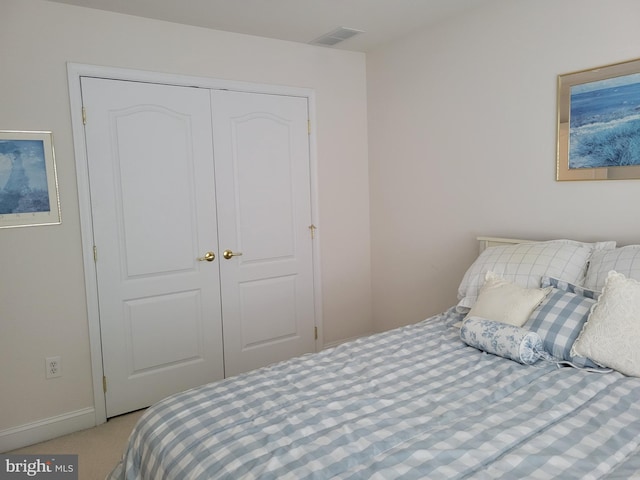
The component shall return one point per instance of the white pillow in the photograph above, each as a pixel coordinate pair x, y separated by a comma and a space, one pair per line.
502, 301
611, 336
625, 260
525, 264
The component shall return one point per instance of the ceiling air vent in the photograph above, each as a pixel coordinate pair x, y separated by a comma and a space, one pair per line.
335, 36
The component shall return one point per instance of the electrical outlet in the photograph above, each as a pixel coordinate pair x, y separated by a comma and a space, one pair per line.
53, 366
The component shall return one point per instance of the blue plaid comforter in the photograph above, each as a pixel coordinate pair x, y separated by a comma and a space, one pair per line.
415, 402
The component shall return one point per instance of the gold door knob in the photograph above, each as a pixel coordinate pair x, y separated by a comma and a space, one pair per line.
228, 254
209, 257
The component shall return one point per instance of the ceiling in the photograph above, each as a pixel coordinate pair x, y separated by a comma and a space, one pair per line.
296, 20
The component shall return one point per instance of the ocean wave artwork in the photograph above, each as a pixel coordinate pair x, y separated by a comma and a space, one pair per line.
604, 127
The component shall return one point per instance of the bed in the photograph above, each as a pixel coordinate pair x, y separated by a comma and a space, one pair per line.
422, 402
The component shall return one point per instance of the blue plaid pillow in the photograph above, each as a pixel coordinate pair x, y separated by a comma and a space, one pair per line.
568, 287
558, 321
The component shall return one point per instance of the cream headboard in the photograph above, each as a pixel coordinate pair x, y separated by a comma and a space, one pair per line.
486, 242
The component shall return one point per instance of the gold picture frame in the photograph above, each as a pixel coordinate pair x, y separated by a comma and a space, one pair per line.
598, 124
28, 179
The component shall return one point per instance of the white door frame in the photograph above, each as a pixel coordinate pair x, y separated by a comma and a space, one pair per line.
74, 72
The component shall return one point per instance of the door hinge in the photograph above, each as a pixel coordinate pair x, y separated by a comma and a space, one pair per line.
315, 332
308, 127
95, 253
104, 384
313, 229
84, 116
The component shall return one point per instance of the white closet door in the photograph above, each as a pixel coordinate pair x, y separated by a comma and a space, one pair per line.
150, 157
261, 147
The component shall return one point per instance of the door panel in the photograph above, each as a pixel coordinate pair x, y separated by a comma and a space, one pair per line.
154, 138
263, 178
149, 150
276, 296
151, 322
261, 147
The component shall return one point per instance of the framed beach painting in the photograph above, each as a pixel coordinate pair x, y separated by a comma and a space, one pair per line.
599, 123
28, 181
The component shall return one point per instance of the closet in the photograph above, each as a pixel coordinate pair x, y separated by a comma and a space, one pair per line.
202, 232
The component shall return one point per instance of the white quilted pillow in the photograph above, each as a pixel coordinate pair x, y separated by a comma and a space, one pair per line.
625, 260
504, 302
525, 264
611, 336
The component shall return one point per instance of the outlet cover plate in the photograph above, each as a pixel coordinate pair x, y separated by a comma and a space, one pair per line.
53, 367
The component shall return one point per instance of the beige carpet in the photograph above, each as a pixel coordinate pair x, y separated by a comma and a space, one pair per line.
99, 449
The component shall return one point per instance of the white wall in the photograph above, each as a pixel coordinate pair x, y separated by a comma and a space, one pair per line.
462, 140
42, 297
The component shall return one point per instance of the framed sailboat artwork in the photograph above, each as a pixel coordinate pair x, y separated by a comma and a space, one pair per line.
28, 180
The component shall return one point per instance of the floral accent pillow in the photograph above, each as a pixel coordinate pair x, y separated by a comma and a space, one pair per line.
503, 340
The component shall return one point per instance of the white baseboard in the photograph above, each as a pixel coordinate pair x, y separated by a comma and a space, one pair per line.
46, 429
